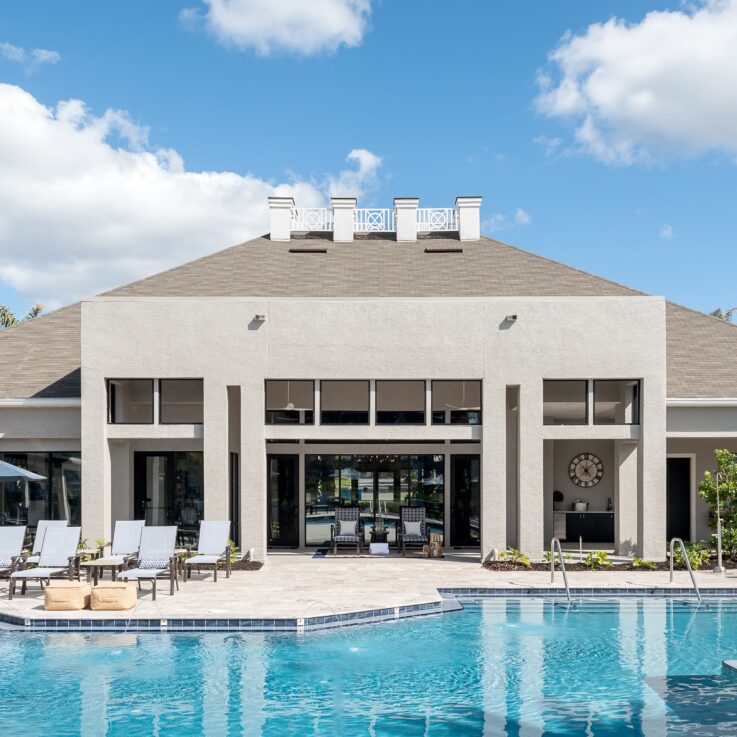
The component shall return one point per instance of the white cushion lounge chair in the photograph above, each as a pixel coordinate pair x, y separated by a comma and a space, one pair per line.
11, 546
126, 542
57, 558
41, 527
212, 548
155, 558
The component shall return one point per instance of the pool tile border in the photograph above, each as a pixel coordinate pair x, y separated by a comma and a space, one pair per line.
189, 624
330, 621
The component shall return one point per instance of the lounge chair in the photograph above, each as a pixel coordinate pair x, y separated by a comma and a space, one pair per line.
126, 541
11, 547
347, 529
212, 548
58, 557
155, 558
412, 528
41, 527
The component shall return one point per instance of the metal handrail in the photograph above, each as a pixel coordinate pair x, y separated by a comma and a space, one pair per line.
553, 544
688, 565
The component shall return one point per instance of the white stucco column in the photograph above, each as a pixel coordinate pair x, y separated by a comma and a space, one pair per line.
281, 218
96, 478
652, 529
121, 482
406, 218
493, 470
253, 470
343, 215
626, 482
215, 448
531, 498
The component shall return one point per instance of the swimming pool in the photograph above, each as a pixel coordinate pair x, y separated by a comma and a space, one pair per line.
527, 667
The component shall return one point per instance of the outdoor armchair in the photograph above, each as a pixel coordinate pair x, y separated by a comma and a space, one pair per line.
412, 528
212, 548
58, 557
126, 542
347, 529
155, 558
11, 547
38, 540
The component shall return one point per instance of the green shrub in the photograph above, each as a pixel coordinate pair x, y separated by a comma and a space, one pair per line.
597, 560
698, 554
729, 542
643, 563
514, 556
566, 557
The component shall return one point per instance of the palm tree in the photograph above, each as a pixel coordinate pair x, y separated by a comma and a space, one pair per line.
7, 318
725, 315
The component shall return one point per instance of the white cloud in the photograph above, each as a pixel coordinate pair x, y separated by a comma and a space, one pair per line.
550, 144
32, 59
522, 217
636, 91
86, 204
666, 232
304, 27
504, 221
356, 182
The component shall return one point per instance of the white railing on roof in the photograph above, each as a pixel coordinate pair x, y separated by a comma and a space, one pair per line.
434, 218
373, 220
312, 218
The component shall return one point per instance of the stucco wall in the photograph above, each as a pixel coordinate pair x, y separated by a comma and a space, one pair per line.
382, 338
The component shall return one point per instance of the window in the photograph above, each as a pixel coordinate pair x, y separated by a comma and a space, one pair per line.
290, 402
400, 402
58, 496
565, 402
617, 402
344, 402
180, 401
456, 403
130, 401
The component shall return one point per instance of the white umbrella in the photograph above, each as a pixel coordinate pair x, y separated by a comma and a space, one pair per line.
9, 472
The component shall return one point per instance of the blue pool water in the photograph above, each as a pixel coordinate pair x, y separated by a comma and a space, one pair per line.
501, 667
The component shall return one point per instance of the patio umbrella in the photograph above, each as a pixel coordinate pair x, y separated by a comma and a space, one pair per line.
9, 472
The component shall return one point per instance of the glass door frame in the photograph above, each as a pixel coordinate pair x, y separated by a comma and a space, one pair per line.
295, 503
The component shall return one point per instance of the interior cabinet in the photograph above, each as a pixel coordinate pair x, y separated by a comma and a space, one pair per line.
593, 527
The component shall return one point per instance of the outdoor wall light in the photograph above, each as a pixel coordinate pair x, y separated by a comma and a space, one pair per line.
511, 318
259, 318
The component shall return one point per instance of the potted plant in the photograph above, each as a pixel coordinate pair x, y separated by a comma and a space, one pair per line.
557, 500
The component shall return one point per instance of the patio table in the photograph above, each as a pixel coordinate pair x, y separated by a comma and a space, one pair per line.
94, 569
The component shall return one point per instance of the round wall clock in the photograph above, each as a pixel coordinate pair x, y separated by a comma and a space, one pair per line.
586, 470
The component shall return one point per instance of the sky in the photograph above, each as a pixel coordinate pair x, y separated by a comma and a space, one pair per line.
135, 136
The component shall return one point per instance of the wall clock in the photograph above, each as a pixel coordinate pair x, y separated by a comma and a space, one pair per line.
586, 470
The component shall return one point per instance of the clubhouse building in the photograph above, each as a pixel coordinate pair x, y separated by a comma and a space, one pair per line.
375, 358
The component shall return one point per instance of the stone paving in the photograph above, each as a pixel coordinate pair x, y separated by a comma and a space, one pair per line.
294, 585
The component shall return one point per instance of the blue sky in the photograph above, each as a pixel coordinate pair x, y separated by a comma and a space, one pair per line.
449, 95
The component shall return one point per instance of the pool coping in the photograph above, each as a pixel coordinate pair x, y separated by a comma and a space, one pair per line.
449, 601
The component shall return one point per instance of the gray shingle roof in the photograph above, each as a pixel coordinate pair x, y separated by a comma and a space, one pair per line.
41, 358
702, 354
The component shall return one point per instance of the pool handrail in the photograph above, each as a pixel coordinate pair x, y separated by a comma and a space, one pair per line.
553, 544
688, 565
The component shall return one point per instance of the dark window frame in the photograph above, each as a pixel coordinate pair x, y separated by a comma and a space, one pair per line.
451, 423
638, 382
587, 409
289, 424
182, 378
421, 423
368, 403
109, 385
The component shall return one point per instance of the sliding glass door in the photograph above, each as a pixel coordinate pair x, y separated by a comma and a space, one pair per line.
283, 501
378, 484
465, 500
169, 490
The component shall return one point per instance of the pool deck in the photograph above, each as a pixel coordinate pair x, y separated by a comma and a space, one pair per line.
296, 591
